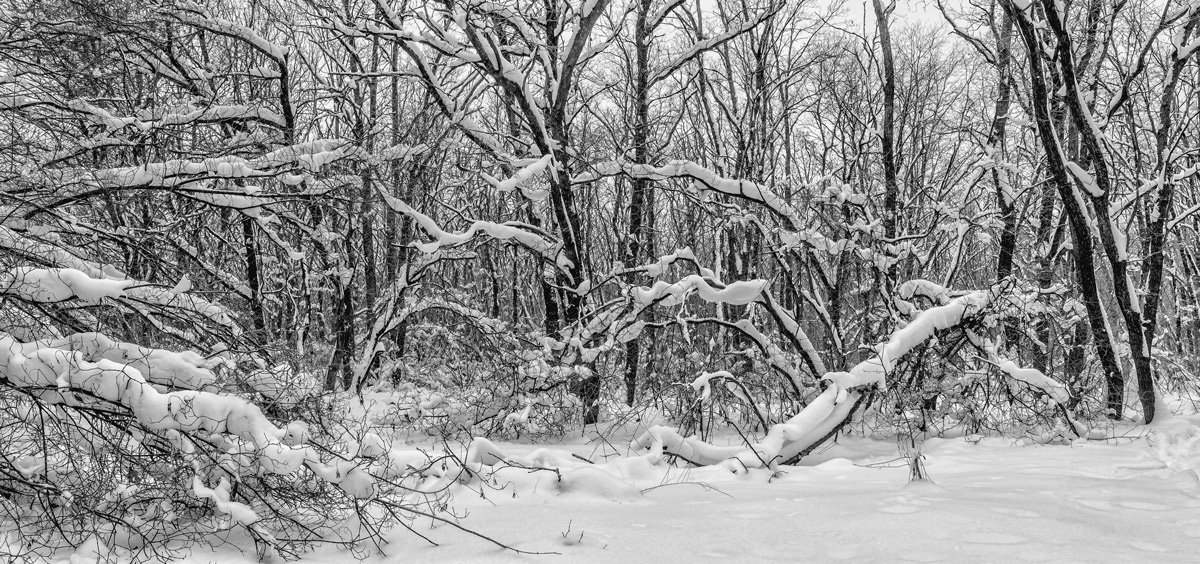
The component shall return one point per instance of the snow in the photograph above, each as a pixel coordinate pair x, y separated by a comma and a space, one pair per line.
145, 120
516, 232
222, 26
211, 113
924, 288
311, 156
185, 370
1037, 379
670, 293
71, 374
649, 492
239, 512
184, 285
54, 285
987, 500
12, 241
835, 404
48, 285
522, 178
702, 178
660, 266
703, 382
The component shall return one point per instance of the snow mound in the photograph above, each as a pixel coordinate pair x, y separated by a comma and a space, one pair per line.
1176, 443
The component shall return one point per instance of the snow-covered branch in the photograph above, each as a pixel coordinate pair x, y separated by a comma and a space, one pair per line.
519, 233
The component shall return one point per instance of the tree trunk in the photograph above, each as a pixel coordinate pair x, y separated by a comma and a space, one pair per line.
891, 195
641, 154
1004, 192
254, 281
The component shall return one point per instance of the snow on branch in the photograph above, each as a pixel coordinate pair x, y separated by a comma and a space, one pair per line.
931, 291
656, 16
393, 314
704, 179
90, 371
241, 513
184, 370
519, 233
791, 328
522, 178
1034, 377
708, 288
34, 249
195, 15
741, 292
874, 371
703, 383
657, 268
56, 285
700, 47
52, 285
309, 156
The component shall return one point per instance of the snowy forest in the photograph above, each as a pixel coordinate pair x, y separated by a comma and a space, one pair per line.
447, 281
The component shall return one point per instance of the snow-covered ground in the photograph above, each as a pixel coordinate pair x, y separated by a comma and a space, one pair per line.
1134, 498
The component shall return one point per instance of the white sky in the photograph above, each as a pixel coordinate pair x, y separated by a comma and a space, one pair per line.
907, 11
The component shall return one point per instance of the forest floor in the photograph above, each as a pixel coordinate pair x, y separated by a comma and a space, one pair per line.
1132, 498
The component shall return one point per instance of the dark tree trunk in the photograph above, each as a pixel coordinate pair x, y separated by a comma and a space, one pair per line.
254, 280
638, 234
1004, 191
891, 194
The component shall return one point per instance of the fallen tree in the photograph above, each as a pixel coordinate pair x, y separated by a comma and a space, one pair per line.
844, 392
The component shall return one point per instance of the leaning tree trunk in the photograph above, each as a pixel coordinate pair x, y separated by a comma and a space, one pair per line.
1085, 267
1114, 244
